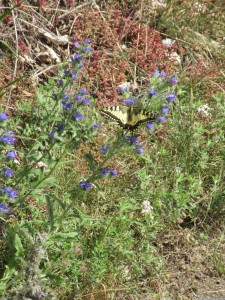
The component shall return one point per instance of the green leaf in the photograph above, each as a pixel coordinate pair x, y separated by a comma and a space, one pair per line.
14, 81
18, 245
7, 47
6, 13
50, 212
64, 236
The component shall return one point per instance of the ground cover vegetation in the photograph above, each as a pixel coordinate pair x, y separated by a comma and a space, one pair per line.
87, 210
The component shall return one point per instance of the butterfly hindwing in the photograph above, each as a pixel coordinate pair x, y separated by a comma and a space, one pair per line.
129, 118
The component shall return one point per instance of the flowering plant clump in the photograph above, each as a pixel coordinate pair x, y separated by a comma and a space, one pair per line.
156, 100
60, 122
7, 142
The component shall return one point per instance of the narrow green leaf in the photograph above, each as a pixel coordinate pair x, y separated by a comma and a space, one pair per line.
18, 245
50, 212
7, 47
14, 81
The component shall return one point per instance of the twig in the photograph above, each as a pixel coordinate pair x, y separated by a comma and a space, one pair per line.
76, 8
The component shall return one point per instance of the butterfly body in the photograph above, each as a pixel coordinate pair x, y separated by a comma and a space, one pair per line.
128, 117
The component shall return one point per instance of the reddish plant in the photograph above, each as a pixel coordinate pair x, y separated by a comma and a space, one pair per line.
69, 3
41, 3
8, 20
123, 49
23, 47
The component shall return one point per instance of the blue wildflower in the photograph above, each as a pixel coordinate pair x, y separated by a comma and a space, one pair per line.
140, 150
66, 72
95, 126
66, 96
60, 82
163, 74
86, 101
80, 66
78, 98
3, 208
8, 137
84, 49
10, 192
3, 117
60, 127
89, 50
77, 57
74, 73
134, 140
127, 139
123, 87
105, 148
165, 110
120, 90
82, 92
76, 44
78, 116
150, 126
105, 171
161, 119
67, 105
87, 41
170, 97
52, 134
129, 102
156, 73
86, 185
11, 154
152, 92
8, 173
113, 172
173, 80
54, 96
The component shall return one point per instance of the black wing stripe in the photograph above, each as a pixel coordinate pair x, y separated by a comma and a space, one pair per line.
109, 114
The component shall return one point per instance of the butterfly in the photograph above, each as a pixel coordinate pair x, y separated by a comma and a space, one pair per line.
128, 117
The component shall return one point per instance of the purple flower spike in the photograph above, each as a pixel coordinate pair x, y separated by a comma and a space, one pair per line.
76, 44
173, 80
8, 138
8, 173
156, 73
3, 117
105, 171
78, 116
10, 192
151, 92
105, 148
129, 102
162, 119
86, 185
165, 110
140, 150
171, 97
67, 105
52, 134
95, 126
87, 41
134, 140
163, 74
3, 208
150, 126
11, 154
113, 172
82, 92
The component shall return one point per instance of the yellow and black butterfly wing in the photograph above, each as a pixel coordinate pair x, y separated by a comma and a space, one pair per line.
129, 118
